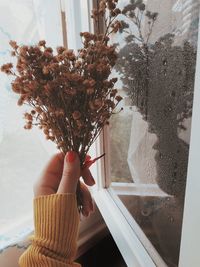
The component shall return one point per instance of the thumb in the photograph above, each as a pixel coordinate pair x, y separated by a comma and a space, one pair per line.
71, 173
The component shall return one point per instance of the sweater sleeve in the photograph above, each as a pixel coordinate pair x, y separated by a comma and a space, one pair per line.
54, 243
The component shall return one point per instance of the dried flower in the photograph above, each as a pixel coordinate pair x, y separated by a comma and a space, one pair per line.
70, 92
118, 98
76, 115
42, 43
13, 44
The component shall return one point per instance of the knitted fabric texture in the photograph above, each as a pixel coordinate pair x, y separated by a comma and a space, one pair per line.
54, 243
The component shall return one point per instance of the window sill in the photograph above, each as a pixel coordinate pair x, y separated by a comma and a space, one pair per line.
129, 237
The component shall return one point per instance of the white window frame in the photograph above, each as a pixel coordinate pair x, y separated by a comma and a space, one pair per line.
133, 244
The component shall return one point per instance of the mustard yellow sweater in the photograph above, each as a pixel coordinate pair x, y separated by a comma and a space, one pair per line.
54, 243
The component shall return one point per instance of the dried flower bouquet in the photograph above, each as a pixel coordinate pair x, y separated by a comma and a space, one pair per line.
70, 93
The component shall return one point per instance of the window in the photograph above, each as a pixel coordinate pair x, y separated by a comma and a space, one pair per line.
22, 154
141, 183
142, 193
150, 139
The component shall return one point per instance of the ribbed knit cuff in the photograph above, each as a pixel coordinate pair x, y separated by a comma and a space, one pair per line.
56, 221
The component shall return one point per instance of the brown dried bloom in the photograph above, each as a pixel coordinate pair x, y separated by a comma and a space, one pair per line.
70, 93
42, 43
13, 44
76, 115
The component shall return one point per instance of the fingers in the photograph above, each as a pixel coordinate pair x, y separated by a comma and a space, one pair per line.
87, 202
71, 173
87, 177
50, 179
61, 175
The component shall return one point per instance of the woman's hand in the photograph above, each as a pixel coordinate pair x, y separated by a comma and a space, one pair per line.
61, 175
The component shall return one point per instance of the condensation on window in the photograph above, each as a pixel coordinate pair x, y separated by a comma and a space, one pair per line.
150, 137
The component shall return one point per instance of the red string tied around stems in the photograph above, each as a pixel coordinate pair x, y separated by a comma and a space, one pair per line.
88, 161
87, 164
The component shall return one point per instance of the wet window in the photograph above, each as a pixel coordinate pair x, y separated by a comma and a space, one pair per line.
150, 138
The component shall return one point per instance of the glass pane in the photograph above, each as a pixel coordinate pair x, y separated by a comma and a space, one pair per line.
149, 139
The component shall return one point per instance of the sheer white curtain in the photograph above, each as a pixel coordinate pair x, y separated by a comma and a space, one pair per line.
22, 154
179, 17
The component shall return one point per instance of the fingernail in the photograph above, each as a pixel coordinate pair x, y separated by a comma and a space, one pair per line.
71, 155
92, 179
